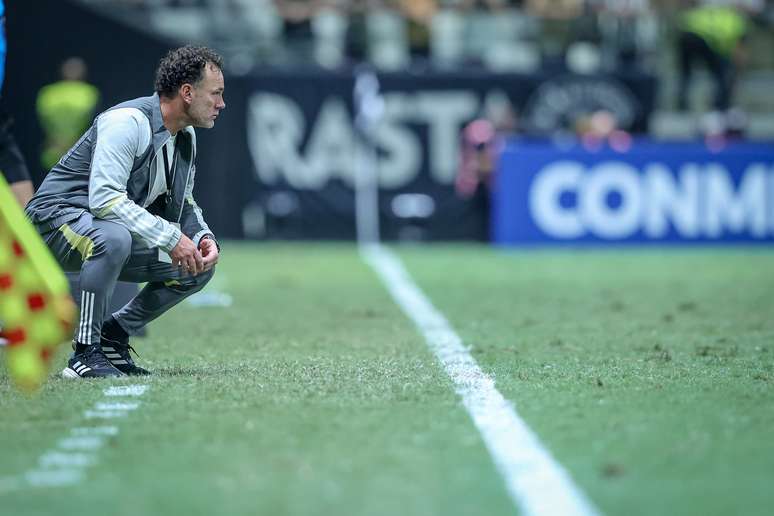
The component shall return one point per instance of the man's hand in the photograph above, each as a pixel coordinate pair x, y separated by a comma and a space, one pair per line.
23, 191
186, 255
209, 252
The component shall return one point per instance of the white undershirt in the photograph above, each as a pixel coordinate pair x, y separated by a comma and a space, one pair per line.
159, 186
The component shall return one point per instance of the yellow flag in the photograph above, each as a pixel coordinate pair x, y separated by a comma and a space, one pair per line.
36, 310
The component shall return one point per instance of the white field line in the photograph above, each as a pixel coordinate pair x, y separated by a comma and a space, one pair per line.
535, 481
65, 464
126, 390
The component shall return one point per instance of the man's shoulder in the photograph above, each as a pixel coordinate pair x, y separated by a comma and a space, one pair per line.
118, 114
125, 123
144, 104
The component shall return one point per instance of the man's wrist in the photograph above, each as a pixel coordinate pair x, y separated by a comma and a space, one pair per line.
175, 239
210, 237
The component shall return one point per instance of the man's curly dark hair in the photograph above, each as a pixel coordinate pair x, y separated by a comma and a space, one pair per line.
184, 65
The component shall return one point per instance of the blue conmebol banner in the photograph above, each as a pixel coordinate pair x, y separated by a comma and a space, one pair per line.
676, 193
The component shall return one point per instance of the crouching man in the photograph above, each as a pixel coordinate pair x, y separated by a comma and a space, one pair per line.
119, 206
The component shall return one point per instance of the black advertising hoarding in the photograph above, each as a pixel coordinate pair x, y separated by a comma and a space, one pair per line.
303, 147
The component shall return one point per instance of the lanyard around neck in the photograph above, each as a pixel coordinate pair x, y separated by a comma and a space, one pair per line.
167, 169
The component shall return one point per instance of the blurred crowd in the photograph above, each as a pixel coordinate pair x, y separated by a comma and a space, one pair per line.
502, 35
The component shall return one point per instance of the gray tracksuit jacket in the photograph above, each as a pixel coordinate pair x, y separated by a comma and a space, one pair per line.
111, 172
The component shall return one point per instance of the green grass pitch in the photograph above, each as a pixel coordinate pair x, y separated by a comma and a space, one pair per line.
648, 374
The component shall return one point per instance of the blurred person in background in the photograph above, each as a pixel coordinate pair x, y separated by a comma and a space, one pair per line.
481, 142
297, 16
12, 165
711, 35
357, 30
561, 9
479, 152
119, 205
65, 109
418, 15
628, 31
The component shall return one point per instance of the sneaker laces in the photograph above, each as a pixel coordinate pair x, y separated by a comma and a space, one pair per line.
123, 349
96, 357
127, 349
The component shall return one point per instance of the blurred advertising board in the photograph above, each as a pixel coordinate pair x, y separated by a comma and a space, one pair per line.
304, 147
649, 192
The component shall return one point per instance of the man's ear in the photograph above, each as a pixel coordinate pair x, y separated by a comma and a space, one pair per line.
186, 92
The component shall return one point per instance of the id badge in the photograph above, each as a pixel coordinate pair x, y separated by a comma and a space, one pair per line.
163, 255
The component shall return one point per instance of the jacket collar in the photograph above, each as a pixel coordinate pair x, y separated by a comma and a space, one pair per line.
160, 133
157, 121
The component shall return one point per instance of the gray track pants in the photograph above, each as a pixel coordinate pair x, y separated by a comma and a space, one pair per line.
104, 252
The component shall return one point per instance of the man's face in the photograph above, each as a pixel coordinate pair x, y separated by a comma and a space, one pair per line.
207, 98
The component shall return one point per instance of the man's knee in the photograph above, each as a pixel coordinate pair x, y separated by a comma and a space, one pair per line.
200, 280
190, 285
116, 242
